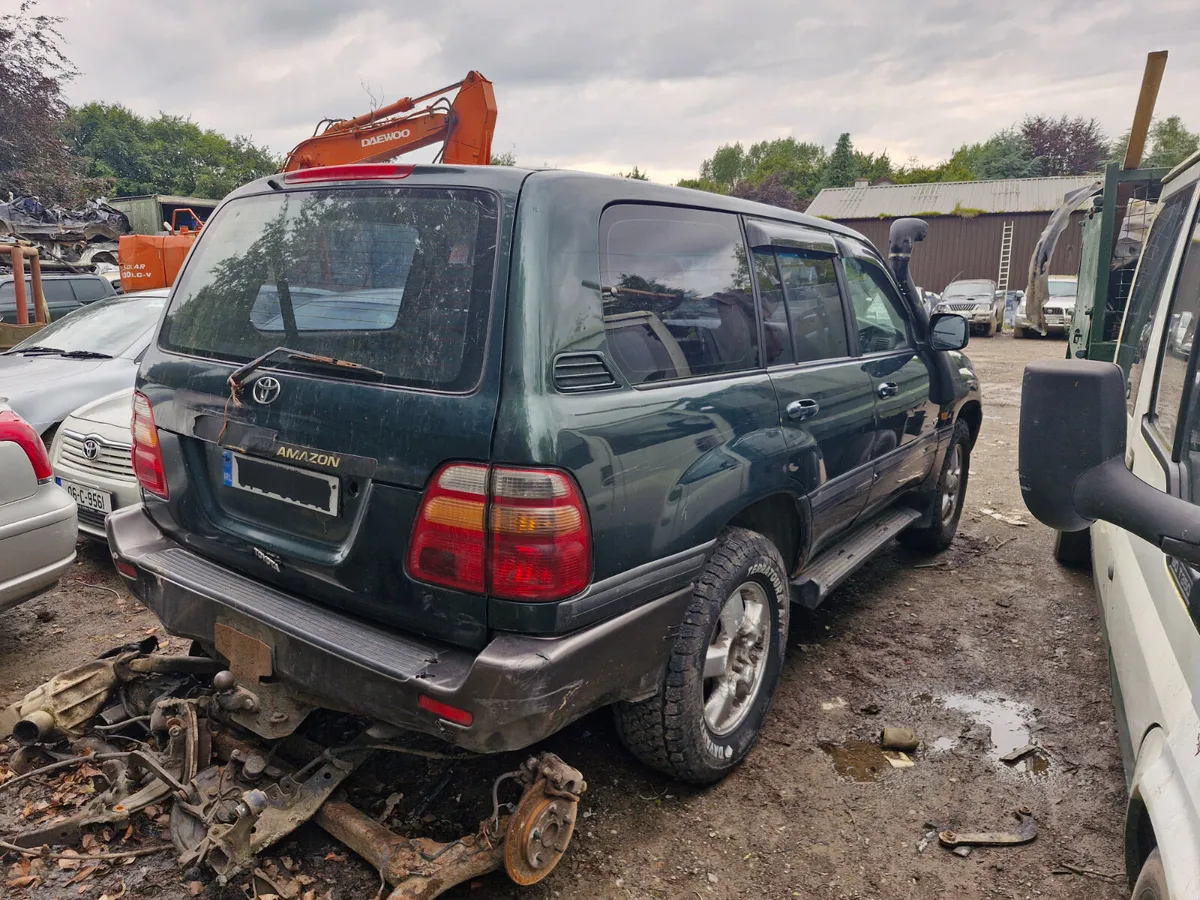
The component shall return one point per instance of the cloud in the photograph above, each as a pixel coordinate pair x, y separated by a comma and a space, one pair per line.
605, 86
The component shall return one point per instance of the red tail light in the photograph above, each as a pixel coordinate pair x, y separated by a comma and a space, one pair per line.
356, 172
147, 454
14, 428
446, 711
536, 544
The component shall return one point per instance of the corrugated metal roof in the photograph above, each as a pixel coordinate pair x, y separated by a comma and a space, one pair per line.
1012, 195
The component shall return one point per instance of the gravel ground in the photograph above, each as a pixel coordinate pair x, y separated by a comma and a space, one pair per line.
984, 649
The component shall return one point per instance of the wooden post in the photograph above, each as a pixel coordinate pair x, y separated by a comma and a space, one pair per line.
41, 312
18, 268
1151, 80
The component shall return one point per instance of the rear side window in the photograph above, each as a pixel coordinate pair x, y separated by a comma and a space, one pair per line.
1143, 299
678, 302
398, 279
89, 289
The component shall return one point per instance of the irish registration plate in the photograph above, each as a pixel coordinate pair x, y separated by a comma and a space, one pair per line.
87, 497
288, 484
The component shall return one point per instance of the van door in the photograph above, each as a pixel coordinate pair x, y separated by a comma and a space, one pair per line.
824, 394
905, 415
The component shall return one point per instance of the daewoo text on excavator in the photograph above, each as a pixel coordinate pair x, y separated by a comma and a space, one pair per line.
464, 127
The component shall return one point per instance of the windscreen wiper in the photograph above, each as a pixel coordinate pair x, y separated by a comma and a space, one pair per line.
85, 354
36, 348
237, 378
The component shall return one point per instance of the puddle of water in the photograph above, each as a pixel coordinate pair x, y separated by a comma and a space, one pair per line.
1010, 723
943, 745
857, 760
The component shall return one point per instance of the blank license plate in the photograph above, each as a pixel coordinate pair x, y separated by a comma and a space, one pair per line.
299, 487
87, 497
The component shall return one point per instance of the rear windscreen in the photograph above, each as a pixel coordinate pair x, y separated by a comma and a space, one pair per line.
398, 279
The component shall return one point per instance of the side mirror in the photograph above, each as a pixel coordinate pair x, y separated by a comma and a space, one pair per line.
948, 331
1072, 459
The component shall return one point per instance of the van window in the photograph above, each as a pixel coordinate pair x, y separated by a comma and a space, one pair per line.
677, 296
1177, 343
812, 309
877, 309
398, 279
1147, 288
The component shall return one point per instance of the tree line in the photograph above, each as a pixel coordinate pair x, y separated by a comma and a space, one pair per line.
65, 154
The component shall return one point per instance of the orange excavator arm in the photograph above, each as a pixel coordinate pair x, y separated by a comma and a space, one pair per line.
464, 127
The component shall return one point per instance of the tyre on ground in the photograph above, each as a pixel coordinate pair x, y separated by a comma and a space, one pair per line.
1152, 880
947, 497
723, 669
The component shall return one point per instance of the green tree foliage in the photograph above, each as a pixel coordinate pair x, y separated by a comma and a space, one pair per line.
636, 174
1170, 143
507, 158
840, 169
33, 72
167, 154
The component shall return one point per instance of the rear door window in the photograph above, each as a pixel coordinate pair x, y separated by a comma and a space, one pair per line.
398, 279
678, 302
805, 308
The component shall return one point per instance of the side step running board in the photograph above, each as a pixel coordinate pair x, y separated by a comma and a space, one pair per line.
836, 564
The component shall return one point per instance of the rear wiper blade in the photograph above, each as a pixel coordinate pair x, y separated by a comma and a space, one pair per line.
86, 354
237, 378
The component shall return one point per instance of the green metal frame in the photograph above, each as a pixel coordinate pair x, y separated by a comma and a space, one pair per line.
1095, 269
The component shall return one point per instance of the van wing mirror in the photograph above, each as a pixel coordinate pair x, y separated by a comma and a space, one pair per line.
1072, 459
948, 331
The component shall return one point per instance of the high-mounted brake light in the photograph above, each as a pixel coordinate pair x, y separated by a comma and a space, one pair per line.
357, 172
147, 453
517, 534
14, 428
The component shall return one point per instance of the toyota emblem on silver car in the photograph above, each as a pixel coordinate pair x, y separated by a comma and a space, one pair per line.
266, 389
91, 448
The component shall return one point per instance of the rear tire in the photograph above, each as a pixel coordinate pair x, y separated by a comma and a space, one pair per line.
1152, 880
723, 669
1018, 332
947, 499
1073, 549
990, 331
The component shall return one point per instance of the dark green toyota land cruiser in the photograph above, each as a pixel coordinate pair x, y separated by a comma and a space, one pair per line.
475, 451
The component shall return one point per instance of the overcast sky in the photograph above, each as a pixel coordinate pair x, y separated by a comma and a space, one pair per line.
604, 86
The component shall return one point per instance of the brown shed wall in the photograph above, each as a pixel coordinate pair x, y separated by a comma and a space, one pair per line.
970, 248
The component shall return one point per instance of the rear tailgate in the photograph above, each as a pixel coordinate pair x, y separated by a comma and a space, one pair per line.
308, 477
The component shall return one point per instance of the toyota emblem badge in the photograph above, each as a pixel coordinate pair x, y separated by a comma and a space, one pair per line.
266, 389
91, 448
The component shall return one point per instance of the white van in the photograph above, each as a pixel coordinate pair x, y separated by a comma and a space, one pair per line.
1117, 448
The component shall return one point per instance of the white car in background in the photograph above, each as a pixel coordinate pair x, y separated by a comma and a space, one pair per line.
92, 461
1058, 309
37, 518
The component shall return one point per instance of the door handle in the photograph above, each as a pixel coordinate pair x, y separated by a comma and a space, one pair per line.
888, 389
799, 410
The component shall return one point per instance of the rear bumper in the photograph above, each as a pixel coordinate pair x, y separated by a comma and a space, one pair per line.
519, 689
37, 547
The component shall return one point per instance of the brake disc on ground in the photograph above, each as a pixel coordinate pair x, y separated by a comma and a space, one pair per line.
538, 834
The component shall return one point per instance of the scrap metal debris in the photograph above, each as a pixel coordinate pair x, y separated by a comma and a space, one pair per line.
1023, 835
231, 794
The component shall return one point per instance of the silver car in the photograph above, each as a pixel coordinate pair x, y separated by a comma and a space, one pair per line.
976, 300
92, 462
37, 517
83, 356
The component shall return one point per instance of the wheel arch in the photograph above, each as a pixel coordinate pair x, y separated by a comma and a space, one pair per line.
779, 519
972, 413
